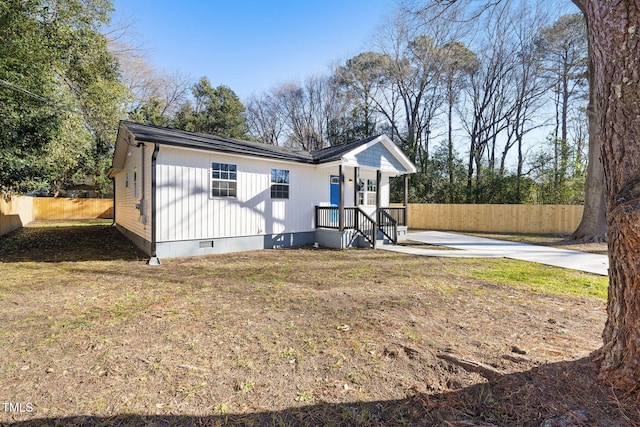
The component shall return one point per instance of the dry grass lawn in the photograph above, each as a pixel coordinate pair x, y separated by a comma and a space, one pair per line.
91, 335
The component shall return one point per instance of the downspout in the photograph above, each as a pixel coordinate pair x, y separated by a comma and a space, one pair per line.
113, 181
142, 198
154, 260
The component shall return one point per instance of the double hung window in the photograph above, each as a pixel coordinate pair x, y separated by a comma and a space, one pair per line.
224, 180
367, 192
279, 184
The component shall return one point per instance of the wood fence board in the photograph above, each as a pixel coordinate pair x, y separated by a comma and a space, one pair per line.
527, 219
48, 208
542, 219
15, 213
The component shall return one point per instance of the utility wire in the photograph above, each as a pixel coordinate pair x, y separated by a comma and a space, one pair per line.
38, 97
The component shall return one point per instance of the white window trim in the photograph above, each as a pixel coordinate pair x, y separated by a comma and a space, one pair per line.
364, 195
283, 184
212, 180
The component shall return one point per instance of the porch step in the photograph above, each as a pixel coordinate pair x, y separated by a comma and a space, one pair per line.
384, 241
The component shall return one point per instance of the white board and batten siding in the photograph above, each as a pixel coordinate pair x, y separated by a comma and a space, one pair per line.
129, 192
185, 209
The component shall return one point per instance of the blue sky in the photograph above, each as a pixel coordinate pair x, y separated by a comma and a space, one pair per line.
252, 45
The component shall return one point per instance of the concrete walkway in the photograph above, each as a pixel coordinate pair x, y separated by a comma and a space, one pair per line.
479, 247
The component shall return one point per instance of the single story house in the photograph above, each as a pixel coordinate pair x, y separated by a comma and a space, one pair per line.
179, 193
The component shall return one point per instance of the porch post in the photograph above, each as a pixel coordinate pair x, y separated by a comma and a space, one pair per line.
405, 198
378, 192
341, 200
356, 178
378, 206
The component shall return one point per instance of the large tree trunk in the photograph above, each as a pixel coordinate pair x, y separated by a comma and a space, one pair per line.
593, 226
614, 29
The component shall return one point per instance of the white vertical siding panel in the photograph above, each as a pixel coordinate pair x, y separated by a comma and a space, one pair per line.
228, 224
182, 198
188, 212
126, 213
205, 206
222, 218
162, 203
234, 211
176, 225
168, 205
186, 217
170, 209
263, 198
199, 206
160, 198
190, 218
172, 203
385, 187
244, 207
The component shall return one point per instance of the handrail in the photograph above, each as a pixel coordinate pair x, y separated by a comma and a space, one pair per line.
366, 226
388, 225
355, 218
399, 213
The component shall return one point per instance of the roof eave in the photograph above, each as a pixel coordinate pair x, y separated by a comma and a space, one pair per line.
206, 142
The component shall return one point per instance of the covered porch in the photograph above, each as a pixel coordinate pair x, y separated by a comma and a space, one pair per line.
359, 213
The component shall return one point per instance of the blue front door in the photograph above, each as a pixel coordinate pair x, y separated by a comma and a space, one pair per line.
334, 196
335, 190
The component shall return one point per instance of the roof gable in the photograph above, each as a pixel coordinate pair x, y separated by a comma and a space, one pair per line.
380, 153
379, 157
336, 152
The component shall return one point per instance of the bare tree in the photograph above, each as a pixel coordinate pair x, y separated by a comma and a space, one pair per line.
264, 120
299, 109
153, 93
362, 82
564, 48
295, 115
490, 96
416, 92
460, 63
528, 85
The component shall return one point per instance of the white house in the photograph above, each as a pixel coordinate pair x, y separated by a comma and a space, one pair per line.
180, 193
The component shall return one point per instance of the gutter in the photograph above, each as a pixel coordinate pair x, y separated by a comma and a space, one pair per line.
154, 260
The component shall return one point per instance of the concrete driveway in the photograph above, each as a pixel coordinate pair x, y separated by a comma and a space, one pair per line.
480, 247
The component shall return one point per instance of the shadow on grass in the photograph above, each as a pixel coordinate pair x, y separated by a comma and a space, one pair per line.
554, 395
67, 244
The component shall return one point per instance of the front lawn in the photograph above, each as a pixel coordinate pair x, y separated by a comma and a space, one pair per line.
90, 334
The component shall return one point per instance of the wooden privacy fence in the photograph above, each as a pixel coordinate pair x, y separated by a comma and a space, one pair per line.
533, 219
19, 211
15, 213
48, 208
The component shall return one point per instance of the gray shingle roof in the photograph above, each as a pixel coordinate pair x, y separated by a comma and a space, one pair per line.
330, 154
181, 138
